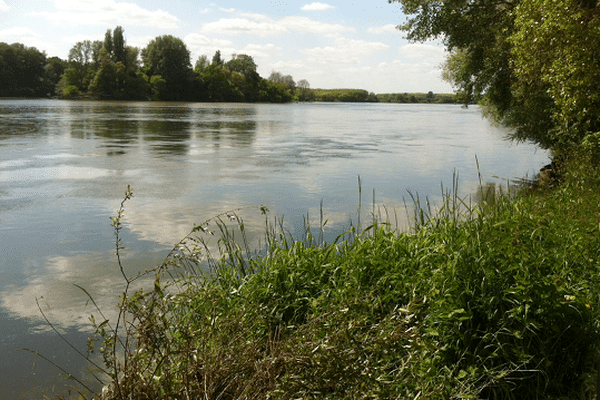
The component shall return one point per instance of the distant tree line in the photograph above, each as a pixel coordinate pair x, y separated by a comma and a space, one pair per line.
429, 97
363, 96
110, 69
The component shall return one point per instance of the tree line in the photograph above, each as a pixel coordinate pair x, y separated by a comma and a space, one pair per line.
110, 69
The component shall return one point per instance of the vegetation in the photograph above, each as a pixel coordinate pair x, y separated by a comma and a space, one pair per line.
26, 72
162, 70
533, 64
497, 300
429, 97
343, 95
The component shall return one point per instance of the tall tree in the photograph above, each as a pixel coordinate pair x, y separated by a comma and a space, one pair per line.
217, 60
201, 64
105, 83
169, 57
119, 48
108, 42
81, 64
248, 80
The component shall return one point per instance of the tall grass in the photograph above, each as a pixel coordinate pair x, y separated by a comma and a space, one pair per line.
498, 300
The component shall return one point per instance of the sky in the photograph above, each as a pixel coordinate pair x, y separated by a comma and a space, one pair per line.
330, 43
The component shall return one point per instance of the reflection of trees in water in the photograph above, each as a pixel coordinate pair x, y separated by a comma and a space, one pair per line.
237, 133
27, 117
171, 128
168, 127
110, 121
167, 136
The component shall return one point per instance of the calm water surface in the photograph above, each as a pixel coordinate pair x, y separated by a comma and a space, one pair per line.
64, 167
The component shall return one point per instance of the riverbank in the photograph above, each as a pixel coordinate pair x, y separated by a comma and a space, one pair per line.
494, 300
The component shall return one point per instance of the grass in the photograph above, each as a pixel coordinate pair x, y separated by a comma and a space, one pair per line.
497, 300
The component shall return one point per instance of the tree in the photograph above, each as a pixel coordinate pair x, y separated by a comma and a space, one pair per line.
220, 84
305, 93
303, 84
283, 79
108, 42
273, 92
119, 48
105, 83
169, 57
55, 68
244, 65
556, 52
201, 64
532, 64
22, 71
217, 60
81, 64
158, 86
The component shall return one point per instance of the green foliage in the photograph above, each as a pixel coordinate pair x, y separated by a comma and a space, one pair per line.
54, 68
567, 70
105, 80
531, 64
158, 87
83, 60
169, 57
273, 92
22, 71
343, 95
430, 97
69, 92
119, 50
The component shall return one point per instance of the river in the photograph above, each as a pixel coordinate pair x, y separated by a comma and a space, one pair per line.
64, 167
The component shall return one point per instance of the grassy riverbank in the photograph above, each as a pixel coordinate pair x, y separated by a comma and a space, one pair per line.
495, 300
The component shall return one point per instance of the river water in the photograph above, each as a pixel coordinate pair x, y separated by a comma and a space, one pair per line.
64, 167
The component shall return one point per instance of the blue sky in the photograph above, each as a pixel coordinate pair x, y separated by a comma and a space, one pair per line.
332, 44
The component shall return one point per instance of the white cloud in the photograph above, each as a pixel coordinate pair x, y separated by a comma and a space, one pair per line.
345, 51
403, 76
263, 26
262, 47
107, 13
29, 38
288, 66
255, 16
227, 10
430, 52
18, 34
3, 6
203, 45
390, 28
139, 41
316, 7
304, 24
259, 50
236, 26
